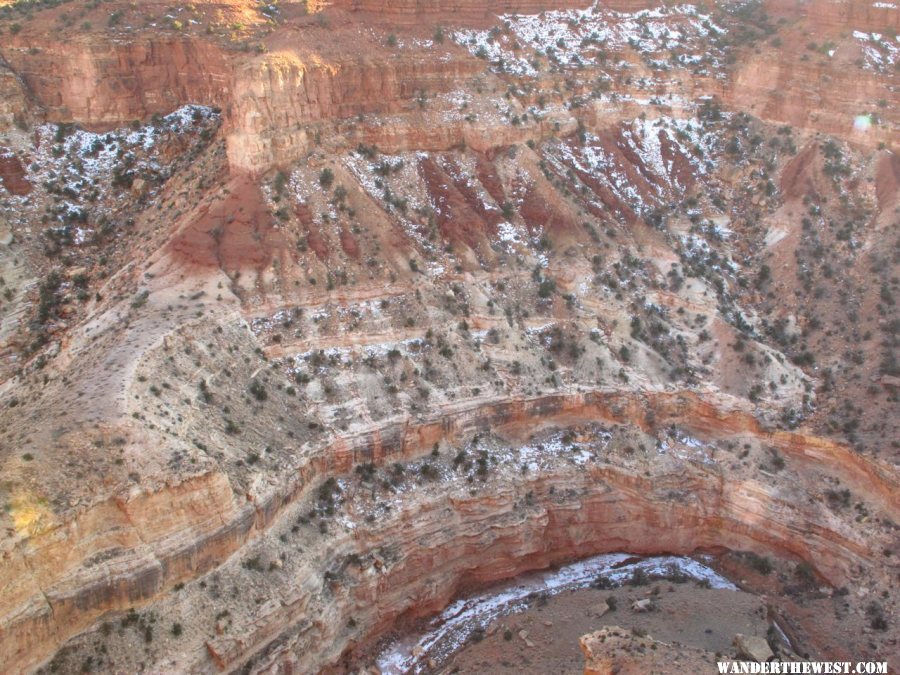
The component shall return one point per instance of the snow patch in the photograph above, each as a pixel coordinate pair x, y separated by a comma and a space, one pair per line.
451, 629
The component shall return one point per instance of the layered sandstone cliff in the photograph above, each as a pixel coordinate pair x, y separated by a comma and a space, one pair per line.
15, 106
132, 549
278, 96
840, 15
109, 82
271, 100
413, 12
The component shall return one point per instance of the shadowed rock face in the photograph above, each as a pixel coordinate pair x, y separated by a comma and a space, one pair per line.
12, 175
272, 366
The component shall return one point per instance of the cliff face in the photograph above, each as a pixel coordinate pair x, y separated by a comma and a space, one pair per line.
103, 83
14, 103
277, 97
839, 15
133, 549
819, 90
468, 541
412, 12
54, 587
306, 77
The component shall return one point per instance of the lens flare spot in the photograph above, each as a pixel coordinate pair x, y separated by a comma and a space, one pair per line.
31, 515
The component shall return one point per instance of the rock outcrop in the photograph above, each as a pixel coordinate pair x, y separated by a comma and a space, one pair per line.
12, 174
614, 649
103, 83
15, 106
753, 648
279, 95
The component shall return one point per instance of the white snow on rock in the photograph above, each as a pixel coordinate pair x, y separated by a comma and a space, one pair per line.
641, 138
880, 52
573, 38
82, 167
453, 627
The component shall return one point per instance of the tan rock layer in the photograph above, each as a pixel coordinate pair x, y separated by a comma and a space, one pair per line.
14, 100
805, 95
275, 97
129, 550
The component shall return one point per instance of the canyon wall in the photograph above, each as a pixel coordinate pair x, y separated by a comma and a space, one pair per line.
271, 99
803, 94
407, 12
14, 103
70, 563
840, 15
457, 540
277, 96
130, 549
485, 538
107, 83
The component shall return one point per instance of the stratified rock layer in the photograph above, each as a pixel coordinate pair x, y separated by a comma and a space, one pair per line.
376, 216
61, 589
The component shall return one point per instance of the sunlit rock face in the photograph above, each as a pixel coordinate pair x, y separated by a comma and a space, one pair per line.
316, 315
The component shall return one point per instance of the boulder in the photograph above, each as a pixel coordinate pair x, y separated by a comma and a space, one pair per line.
753, 648
139, 188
